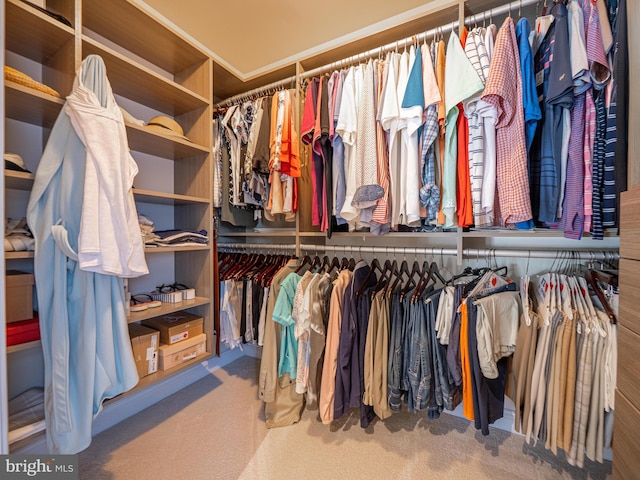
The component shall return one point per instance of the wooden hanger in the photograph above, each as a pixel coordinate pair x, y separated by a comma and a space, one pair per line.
375, 265
589, 277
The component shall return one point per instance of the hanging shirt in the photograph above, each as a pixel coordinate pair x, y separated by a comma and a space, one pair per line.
381, 213
340, 186
389, 117
217, 163
440, 146
504, 91
347, 129
412, 109
328, 381
367, 191
429, 191
529, 94
282, 314
306, 135
399, 202
555, 85
462, 82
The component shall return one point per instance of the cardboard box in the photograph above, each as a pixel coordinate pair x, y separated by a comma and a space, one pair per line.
144, 342
173, 355
19, 286
176, 327
23, 331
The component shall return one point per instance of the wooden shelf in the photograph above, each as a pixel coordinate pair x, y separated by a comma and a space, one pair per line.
159, 198
141, 84
167, 308
18, 255
14, 180
155, 42
31, 106
25, 432
162, 375
257, 234
145, 141
176, 249
24, 346
33, 34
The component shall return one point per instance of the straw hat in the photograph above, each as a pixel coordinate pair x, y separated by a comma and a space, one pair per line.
166, 126
25, 80
13, 161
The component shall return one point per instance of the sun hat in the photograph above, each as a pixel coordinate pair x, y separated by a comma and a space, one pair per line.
25, 80
166, 126
13, 161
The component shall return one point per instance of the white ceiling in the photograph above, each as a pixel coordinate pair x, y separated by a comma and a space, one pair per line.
251, 38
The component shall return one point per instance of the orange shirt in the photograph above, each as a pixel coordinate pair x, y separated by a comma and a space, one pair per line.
467, 395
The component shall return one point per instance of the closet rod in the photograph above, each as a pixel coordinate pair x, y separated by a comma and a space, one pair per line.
375, 52
275, 85
256, 246
357, 249
473, 252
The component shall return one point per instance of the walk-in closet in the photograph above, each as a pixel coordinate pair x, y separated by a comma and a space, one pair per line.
270, 240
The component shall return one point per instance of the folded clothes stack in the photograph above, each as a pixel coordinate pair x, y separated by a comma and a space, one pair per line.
181, 238
17, 236
146, 229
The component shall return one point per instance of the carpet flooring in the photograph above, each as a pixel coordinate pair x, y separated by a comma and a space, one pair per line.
214, 429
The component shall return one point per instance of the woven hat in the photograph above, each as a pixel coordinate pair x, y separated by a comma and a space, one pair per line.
13, 161
166, 126
25, 80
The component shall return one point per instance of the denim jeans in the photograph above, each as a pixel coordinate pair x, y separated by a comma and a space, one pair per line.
394, 367
420, 360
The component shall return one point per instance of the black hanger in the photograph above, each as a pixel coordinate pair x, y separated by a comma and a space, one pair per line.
335, 263
415, 269
306, 260
375, 265
383, 281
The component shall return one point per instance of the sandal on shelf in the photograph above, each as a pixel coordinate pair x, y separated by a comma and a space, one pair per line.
142, 301
174, 293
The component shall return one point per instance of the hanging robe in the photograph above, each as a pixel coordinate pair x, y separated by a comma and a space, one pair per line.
85, 340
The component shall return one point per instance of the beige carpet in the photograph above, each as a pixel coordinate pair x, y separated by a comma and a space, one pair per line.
214, 429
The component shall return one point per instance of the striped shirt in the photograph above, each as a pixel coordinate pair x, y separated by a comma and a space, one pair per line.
611, 139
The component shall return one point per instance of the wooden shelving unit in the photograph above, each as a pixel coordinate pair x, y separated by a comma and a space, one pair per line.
167, 308
31, 106
152, 66
14, 180
160, 198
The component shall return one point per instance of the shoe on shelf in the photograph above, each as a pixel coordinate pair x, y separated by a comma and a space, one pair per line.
142, 301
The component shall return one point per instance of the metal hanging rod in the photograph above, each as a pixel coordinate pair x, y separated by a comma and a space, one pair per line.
265, 88
506, 8
256, 246
357, 249
550, 254
472, 252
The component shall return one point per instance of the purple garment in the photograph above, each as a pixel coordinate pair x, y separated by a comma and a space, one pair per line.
347, 392
573, 207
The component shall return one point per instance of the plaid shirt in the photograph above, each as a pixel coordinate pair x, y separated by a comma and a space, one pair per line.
429, 192
504, 91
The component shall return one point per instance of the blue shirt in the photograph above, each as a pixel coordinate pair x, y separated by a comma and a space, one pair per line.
288, 362
530, 103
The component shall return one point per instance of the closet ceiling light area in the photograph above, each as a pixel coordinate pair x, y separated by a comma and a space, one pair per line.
255, 43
